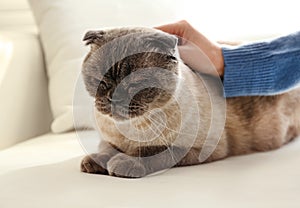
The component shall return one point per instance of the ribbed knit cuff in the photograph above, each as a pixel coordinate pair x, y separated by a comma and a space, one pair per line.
249, 70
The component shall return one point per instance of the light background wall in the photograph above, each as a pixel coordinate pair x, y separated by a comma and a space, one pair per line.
218, 19
223, 19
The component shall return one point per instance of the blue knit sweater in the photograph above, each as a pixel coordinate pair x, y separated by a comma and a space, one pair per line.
262, 68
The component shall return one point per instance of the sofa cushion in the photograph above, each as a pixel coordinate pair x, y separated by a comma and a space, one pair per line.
44, 172
62, 25
24, 106
16, 15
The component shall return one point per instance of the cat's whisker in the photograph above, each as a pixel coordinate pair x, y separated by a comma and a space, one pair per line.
164, 144
164, 140
135, 126
84, 127
166, 127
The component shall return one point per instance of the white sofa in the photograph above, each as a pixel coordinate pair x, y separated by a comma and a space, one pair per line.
41, 169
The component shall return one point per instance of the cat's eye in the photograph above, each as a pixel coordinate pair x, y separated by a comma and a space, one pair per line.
172, 57
125, 65
126, 68
104, 86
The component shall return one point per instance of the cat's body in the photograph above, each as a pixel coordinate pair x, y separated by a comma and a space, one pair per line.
252, 123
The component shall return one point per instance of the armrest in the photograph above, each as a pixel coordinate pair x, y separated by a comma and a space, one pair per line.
24, 106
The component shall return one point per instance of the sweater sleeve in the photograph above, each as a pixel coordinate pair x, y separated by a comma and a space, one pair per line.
262, 68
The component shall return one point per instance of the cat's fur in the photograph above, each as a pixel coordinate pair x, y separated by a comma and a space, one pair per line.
252, 123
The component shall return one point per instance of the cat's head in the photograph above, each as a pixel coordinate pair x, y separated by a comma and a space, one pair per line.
130, 71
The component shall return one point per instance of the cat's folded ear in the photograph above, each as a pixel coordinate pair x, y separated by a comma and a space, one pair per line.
166, 42
93, 36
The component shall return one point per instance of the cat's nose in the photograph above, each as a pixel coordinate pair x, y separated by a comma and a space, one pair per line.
116, 101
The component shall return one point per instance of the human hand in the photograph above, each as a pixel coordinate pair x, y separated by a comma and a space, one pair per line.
195, 49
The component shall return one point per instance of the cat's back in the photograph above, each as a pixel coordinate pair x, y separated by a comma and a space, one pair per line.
253, 123
261, 123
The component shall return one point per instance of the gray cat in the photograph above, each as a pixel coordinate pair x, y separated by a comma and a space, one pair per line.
153, 112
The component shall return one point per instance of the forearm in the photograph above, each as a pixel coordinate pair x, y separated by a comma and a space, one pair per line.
264, 68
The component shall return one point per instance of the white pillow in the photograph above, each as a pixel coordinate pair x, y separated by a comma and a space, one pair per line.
62, 24
24, 105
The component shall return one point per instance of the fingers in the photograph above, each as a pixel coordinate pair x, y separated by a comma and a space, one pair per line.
177, 28
190, 36
230, 43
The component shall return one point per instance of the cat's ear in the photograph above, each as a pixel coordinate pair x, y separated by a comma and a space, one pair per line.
166, 42
94, 37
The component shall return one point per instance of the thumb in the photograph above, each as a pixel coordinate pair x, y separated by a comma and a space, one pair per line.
173, 28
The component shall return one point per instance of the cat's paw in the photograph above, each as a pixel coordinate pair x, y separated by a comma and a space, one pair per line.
95, 163
122, 165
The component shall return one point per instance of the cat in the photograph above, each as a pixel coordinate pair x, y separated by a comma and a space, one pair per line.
153, 112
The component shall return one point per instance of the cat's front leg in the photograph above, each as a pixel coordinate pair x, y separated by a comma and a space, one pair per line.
125, 166
141, 162
97, 163
149, 159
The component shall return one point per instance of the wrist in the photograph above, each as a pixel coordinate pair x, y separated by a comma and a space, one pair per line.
220, 62
213, 52
217, 59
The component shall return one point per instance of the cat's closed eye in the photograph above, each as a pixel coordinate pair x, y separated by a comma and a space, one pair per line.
103, 88
125, 67
171, 57
105, 85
